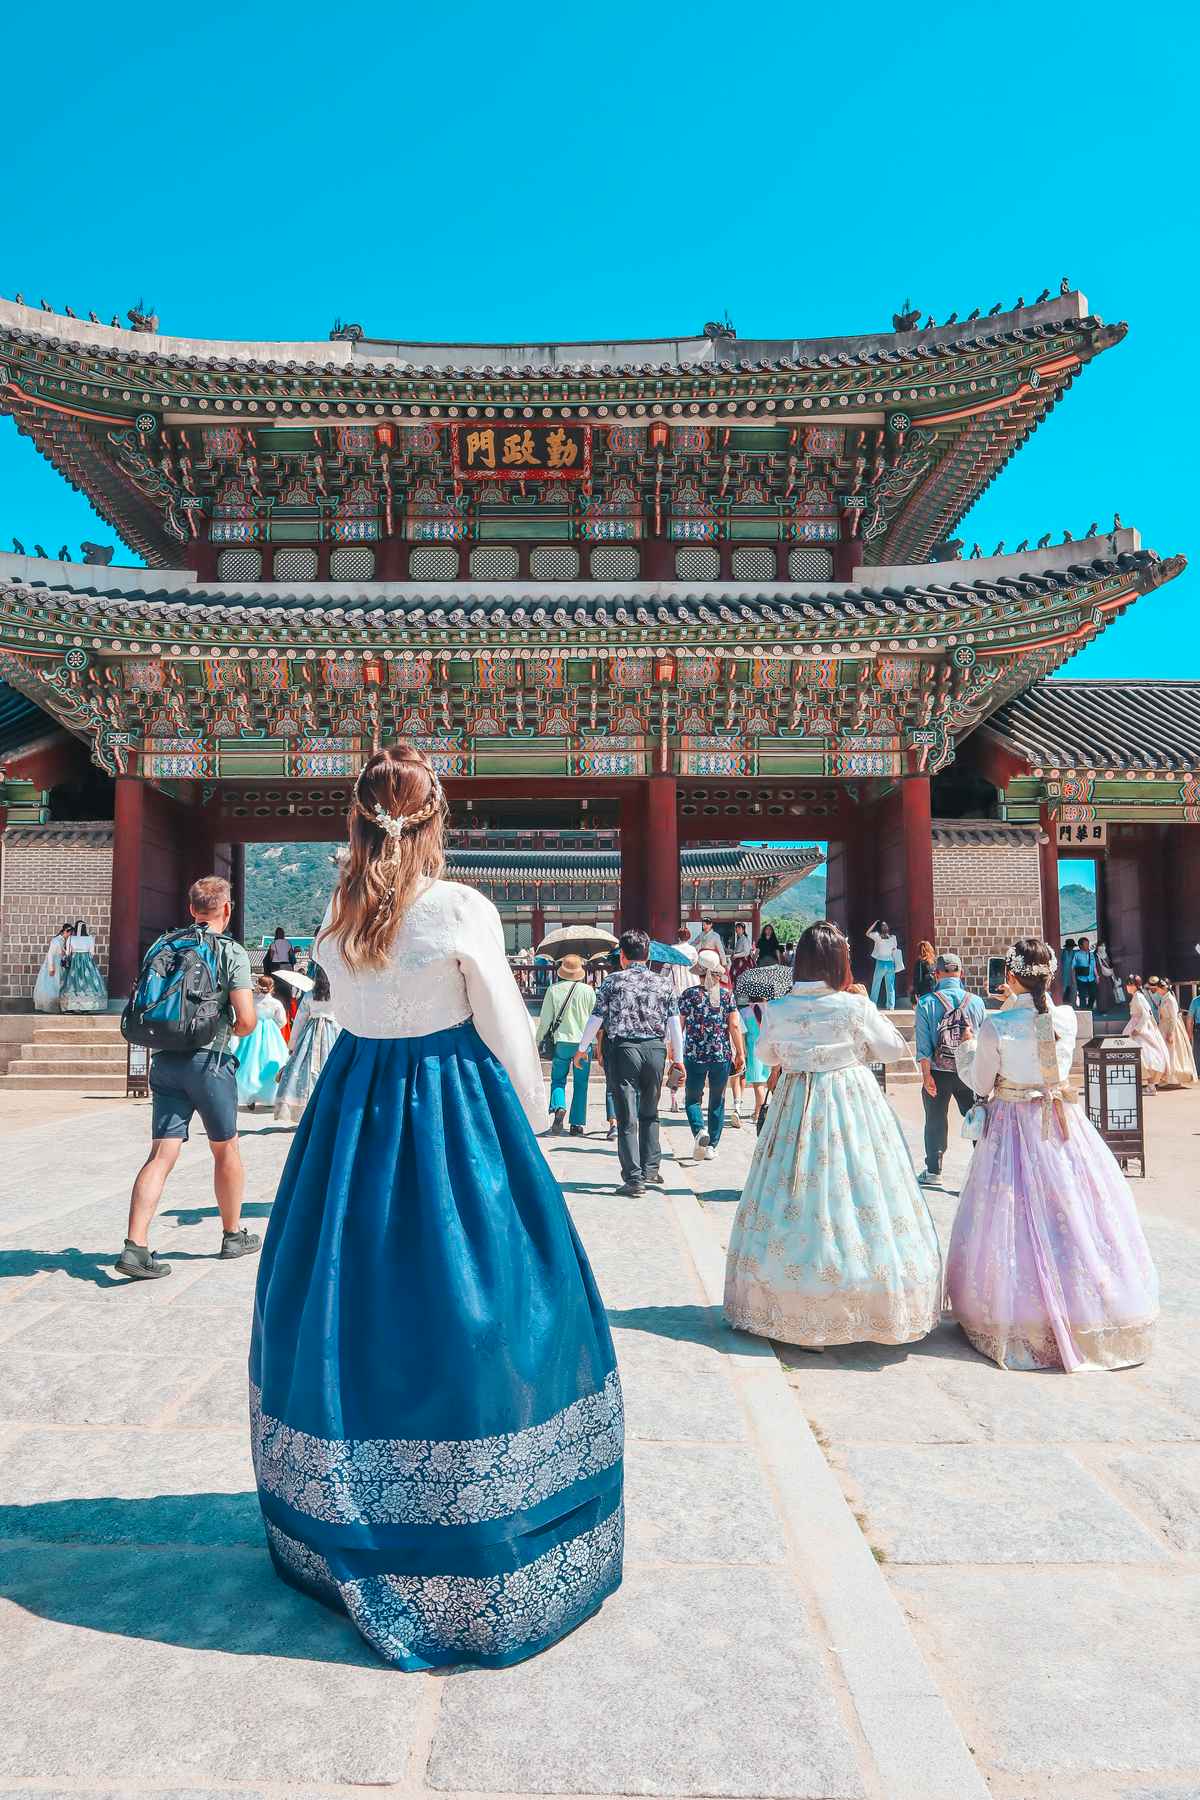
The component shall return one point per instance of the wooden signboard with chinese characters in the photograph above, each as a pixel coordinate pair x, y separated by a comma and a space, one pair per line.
511, 452
1083, 836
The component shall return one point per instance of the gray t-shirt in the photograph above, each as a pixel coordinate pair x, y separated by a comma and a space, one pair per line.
233, 971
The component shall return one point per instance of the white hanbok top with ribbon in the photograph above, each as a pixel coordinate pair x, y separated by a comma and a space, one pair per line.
815, 1029
446, 964
1011, 1046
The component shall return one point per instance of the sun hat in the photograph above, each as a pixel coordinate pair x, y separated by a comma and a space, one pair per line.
571, 967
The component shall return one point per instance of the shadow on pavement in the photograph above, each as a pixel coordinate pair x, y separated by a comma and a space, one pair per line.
699, 1324
81, 1265
190, 1570
195, 1215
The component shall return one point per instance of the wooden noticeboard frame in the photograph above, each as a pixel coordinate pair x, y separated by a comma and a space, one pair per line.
137, 1072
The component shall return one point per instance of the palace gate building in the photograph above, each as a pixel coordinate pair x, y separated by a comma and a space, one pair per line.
677, 596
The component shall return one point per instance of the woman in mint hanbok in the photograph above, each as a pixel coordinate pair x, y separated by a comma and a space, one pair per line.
83, 989
833, 1242
263, 1054
435, 1407
48, 986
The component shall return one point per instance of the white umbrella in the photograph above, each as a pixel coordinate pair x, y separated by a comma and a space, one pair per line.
304, 984
576, 940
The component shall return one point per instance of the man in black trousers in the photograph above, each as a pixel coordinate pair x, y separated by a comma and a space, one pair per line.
639, 1012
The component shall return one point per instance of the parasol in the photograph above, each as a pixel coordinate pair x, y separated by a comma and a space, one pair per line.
671, 953
576, 940
303, 984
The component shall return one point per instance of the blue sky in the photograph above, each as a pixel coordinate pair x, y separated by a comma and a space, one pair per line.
471, 172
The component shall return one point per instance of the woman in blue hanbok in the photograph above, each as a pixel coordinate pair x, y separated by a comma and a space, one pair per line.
833, 1242
83, 989
261, 1055
436, 1413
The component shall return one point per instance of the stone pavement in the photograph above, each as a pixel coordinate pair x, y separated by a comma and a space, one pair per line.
1023, 1569
147, 1646
1042, 1532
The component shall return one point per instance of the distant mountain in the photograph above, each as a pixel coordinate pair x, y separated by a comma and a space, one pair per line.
798, 905
1077, 911
288, 885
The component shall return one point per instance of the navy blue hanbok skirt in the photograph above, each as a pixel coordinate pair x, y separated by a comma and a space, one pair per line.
435, 1406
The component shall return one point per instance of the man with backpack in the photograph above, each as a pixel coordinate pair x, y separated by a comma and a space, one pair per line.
193, 995
942, 1019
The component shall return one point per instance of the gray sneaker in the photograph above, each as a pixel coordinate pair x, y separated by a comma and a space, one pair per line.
239, 1243
139, 1263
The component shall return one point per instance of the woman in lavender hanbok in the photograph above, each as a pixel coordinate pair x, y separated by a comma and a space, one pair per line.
1143, 1029
833, 1242
1048, 1267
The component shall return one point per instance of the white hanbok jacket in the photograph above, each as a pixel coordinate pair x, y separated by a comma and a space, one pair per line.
447, 964
816, 1029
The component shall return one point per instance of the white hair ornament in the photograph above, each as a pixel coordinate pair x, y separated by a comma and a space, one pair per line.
1019, 966
396, 824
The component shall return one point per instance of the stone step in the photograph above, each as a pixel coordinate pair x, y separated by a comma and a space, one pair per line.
89, 1025
69, 1065
53, 1051
64, 1084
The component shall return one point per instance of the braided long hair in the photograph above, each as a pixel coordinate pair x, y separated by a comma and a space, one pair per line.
384, 870
1030, 960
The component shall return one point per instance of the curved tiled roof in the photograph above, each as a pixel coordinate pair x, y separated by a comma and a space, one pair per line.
1119, 725
647, 356
886, 599
586, 865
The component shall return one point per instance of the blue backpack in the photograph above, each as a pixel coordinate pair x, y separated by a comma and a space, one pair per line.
178, 1002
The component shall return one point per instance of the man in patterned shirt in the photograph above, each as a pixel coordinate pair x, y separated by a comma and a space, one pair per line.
639, 1012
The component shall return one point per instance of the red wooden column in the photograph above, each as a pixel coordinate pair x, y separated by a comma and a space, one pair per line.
633, 857
537, 922
756, 922
1048, 882
918, 861
662, 859
125, 929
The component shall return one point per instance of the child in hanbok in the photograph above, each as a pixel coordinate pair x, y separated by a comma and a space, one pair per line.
833, 1242
48, 986
314, 1033
1181, 1065
261, 1056
1143, 1029
753, 989
83, 989
435, 1407
1048, 1267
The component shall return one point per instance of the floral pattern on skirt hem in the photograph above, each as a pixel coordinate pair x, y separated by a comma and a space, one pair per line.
417, 1621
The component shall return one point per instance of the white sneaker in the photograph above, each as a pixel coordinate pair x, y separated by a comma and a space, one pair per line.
734, 1119
700, 1145
709, 1152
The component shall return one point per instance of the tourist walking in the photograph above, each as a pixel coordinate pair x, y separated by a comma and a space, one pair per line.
923, 979
1086, 973
200, 1076
943, 1019
435, 1407
755, 988
279, 954
566, 1009
314, 1033
889, 961
1181, 1065
833, 1242
713, 1049
639, 1013
711, 939
48, 986
1142, 1027
1068, 971
1106, 983
83, 989
1047, 1267
682, 975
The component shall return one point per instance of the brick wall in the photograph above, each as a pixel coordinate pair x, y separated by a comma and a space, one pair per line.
986, 891
49, 873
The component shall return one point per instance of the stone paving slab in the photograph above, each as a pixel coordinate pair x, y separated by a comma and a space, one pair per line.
697, 1503
972, 1504
1067, 1672
176, 1665
1165, 1485
688, 1689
